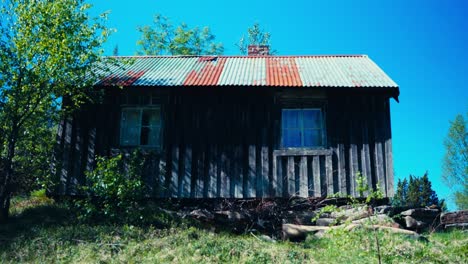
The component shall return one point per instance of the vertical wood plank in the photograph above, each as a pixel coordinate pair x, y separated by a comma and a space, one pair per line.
224, 184
303, 181
213, 175
274, 183
252, 180
187, 177
174, 182
238, 172
265, 165
365, 152
316, 173
329, 173
291, 177
388, 150
162, 189
378, 150
342, 170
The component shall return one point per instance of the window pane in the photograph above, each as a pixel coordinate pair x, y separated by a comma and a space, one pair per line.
149, 136
130, 127
129, 136
312, 138
290, 118
291, 138
151, 117
130, 117
312, 118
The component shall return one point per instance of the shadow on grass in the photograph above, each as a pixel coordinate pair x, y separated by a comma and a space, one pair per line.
55, 223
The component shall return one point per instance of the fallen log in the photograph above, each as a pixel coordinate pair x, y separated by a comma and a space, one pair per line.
299, 232
455, 219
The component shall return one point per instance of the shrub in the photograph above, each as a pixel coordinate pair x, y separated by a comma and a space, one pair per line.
114, 190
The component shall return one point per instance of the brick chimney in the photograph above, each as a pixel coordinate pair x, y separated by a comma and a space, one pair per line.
258, 50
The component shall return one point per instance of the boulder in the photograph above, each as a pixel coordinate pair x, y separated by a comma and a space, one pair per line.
298, 217
326, 221
353, 213
201, 214
413, 224
421, 213
384, 209
381, 220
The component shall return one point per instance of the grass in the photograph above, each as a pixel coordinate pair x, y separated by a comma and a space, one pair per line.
45, 232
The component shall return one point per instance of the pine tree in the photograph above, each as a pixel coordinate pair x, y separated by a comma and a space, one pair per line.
416, 192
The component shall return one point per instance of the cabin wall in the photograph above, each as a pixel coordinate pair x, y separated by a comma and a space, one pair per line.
226, 143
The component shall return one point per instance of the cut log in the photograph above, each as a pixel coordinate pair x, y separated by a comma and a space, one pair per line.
455, 218
298, 232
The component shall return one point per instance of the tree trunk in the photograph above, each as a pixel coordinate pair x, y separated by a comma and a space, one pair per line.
5, 183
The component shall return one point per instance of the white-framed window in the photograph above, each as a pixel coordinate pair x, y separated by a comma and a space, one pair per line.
302, 128
141, 127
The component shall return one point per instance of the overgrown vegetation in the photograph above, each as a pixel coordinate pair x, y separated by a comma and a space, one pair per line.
115, 190
255, 36
45, 232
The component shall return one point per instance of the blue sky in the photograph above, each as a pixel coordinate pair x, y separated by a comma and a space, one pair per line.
420, 44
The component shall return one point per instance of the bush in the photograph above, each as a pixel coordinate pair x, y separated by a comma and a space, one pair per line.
114, 191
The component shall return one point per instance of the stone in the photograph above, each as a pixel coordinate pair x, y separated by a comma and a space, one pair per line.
201, 214
384, 209
413, 224
326, 221
421, 213
354, 213
382, 220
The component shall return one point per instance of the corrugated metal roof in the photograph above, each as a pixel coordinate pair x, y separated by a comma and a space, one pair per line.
287, 71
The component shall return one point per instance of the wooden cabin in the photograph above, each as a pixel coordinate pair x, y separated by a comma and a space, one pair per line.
239, 126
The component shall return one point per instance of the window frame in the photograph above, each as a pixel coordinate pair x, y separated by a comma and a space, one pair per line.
322, 128
141, 108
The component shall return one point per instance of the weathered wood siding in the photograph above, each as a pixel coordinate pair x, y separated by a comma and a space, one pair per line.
226, 143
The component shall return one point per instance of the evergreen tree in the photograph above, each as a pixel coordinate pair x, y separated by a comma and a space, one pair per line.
416, 192
401, 192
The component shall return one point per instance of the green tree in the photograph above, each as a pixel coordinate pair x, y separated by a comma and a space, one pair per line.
401, 193
162, 38
417, 191
455, 165
255, 36
49, 50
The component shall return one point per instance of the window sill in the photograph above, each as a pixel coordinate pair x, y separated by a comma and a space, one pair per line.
303, 152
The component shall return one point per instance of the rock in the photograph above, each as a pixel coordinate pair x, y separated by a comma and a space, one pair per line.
354, 213
299, 232
201, 214
382, 220
384, 209
414, 224
326, 221
231, 215
267, 238
298, 217
421, 213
